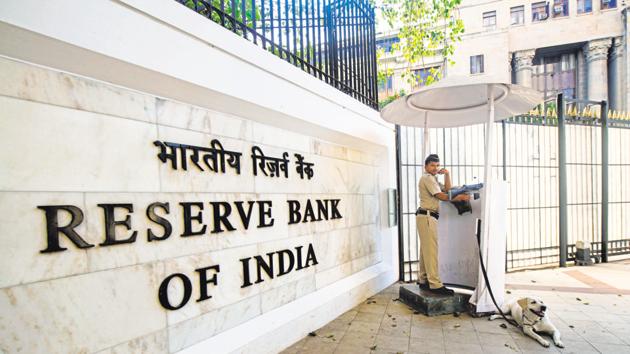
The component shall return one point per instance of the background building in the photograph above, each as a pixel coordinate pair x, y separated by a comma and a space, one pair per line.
577, 47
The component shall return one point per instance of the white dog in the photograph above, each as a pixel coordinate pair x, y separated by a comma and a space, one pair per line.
529, 313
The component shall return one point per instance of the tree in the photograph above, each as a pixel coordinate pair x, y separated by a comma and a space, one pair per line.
427, 28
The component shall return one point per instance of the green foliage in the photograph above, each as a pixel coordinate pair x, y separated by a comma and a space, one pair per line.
427, 28
390, 99
384, 72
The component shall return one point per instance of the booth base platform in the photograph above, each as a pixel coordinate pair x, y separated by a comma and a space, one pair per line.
431, 304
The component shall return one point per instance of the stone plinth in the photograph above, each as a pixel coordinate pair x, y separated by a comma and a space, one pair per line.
431, 304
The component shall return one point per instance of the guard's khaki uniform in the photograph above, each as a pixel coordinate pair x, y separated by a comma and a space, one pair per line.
428, 187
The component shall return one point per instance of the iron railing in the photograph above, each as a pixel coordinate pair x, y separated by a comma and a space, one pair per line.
333, 40
527, 156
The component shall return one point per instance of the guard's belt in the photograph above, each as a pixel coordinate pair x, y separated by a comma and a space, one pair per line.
421, 211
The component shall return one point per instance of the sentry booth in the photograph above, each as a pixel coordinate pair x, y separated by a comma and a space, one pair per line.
454, 102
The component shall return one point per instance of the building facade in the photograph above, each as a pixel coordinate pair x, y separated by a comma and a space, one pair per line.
577, 47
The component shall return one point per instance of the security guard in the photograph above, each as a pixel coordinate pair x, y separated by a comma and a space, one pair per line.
431, 192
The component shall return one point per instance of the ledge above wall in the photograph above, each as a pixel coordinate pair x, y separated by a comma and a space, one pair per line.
170, 51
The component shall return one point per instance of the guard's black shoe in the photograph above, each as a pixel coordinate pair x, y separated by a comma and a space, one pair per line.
424, 286
443, 291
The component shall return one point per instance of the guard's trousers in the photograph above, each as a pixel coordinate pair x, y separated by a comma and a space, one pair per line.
427, 231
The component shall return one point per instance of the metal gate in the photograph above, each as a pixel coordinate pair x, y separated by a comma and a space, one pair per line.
556, 171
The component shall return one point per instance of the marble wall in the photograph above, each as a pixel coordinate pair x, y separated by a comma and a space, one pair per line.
70, 140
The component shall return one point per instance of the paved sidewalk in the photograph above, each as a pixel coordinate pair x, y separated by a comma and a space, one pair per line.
589, 305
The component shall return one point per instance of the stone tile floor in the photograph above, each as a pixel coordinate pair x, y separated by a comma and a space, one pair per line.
589, 305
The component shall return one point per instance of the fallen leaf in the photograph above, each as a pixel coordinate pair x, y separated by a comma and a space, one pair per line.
503, 325
312, 334
330, 336
373, 347
511, 347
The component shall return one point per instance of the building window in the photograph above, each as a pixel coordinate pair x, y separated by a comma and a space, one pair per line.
609, 4
476, 64
517, 15
386, 43
584, 6
540, 11
556, 74
560, 8
489, 20
421, 75
386, 86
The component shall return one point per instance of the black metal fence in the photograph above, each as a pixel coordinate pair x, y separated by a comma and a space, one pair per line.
554, 164
333, 40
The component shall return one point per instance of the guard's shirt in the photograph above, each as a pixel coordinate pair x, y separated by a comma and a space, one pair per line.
428, 187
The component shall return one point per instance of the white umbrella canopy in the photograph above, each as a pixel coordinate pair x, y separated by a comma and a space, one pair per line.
460, 100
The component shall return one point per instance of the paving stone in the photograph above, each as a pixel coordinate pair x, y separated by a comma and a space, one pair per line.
612, 348
468, 348
358, 339
426, 346
365, 327
398, 344
389, 327
427, 333
368, 317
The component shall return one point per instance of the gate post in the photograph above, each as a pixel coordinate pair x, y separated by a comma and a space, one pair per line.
401, 253
331, 45
504, 146
604, 115
562, 181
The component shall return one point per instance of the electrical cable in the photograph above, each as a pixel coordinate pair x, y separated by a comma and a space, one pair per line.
485, 276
